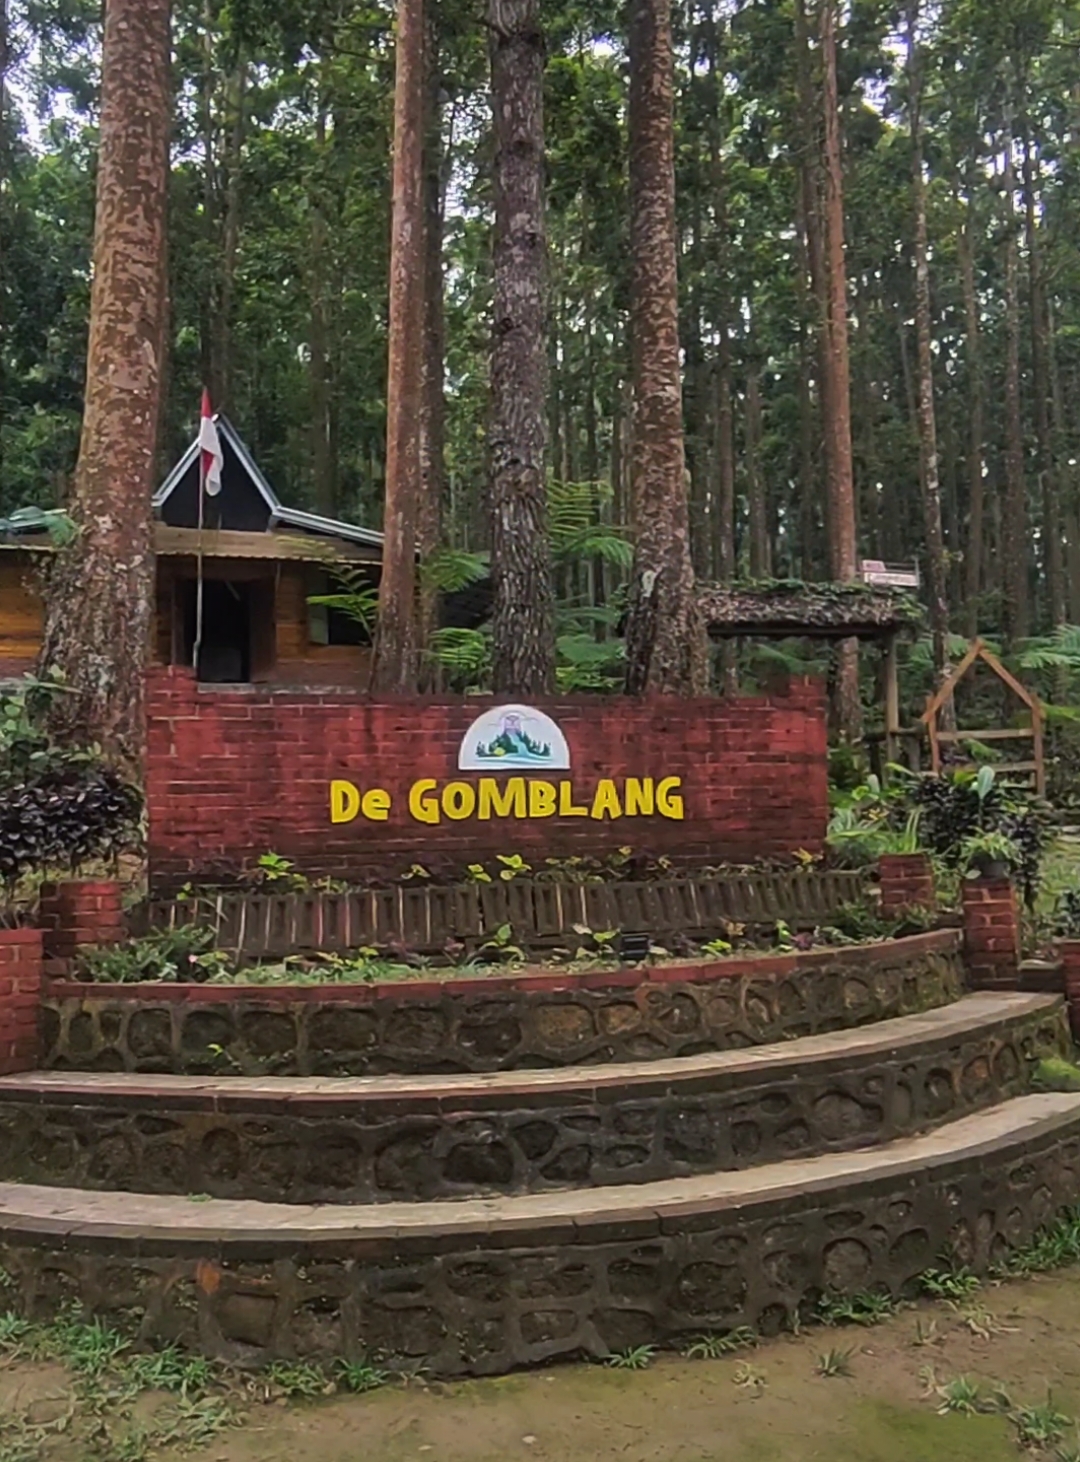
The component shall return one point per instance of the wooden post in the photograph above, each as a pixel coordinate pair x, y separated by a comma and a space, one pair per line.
892, 702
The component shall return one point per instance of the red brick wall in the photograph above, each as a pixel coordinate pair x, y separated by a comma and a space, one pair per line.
78, 914
20, 999
991, 934
235, 772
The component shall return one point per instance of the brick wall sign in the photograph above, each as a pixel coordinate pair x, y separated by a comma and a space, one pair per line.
345, 784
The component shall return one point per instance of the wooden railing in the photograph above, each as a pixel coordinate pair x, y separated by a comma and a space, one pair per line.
426, 919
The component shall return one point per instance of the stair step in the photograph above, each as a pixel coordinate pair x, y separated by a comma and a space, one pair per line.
374, 1139
481, 1285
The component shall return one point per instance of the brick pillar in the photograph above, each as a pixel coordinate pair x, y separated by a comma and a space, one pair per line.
991, 934
76, 915
20, 999
907, 882
1068, 951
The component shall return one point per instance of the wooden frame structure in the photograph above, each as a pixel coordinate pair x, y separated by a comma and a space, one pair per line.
977, 651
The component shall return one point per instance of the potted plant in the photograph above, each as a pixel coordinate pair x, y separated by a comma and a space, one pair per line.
989, 855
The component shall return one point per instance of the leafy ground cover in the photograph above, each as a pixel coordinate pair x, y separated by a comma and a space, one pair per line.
972, 1371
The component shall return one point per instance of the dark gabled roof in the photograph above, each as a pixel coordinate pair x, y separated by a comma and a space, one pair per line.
279, 513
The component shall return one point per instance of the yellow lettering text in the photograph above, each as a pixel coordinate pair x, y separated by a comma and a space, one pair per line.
508, 801
541, 799
668, 802
344, 801
640, 800
606, 801
566, 802
376, 805
459, 800
422, 805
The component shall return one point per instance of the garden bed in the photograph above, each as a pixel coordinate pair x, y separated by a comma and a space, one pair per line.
532, 1017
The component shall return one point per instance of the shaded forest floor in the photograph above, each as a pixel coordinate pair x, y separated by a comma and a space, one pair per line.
906, 1392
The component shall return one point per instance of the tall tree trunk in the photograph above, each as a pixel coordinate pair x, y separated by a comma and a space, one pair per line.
973, 553
665, 643
841, 482
1014, 527
523, 617
433, 414
97, 628
937, 586
318, 325
1053, 566
395, 667
760, 558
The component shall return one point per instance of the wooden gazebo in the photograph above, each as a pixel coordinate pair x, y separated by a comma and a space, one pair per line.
788, 608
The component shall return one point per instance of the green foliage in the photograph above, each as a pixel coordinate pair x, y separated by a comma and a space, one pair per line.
948, 1284
713, 1347
185, 952
358, 1377
60, 807
835, 1362
869, 1307
357, 598
52, 521
1054, 1073
500, 947
1053, 1247
637, 1358
961, 1395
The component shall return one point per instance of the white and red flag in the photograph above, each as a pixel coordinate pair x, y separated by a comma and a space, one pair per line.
210, 456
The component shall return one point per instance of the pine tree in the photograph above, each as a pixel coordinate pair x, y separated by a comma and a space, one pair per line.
522, 622
100, 593
665, 647
395, 644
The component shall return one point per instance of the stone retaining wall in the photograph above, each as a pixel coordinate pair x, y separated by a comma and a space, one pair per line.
450, 1141
526, 1020
486, 1298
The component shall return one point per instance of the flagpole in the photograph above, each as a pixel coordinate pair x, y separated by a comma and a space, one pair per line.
199, 566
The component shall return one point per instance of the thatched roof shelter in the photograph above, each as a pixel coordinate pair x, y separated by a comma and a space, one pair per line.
782, 608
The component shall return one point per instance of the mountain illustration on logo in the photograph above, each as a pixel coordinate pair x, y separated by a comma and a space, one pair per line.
518, 737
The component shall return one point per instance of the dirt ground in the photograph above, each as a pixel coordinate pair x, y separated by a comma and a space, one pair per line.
768, 1404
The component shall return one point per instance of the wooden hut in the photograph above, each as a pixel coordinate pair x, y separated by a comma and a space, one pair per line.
260, 563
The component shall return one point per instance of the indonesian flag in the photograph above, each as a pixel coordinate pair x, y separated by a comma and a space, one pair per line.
210, 459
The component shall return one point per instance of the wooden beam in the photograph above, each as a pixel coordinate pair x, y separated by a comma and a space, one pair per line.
948, 686
275, 546
1010, 680
994, 733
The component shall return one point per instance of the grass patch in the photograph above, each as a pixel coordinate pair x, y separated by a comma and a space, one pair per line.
713, 1347
865, 1308
636, 1358
1054, 1073
835, 1363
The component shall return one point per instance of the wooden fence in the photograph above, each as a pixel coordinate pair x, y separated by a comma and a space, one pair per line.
540, 913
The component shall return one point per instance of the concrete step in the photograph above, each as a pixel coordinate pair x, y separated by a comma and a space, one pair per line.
483, 1285
377, 1139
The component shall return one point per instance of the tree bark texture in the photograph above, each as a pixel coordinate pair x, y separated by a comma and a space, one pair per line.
973, 553
665, 641
100, 594
1014, 528
837, 399
433, 414
523, 617
760, 557
395, 662
1053, 565
937, 587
